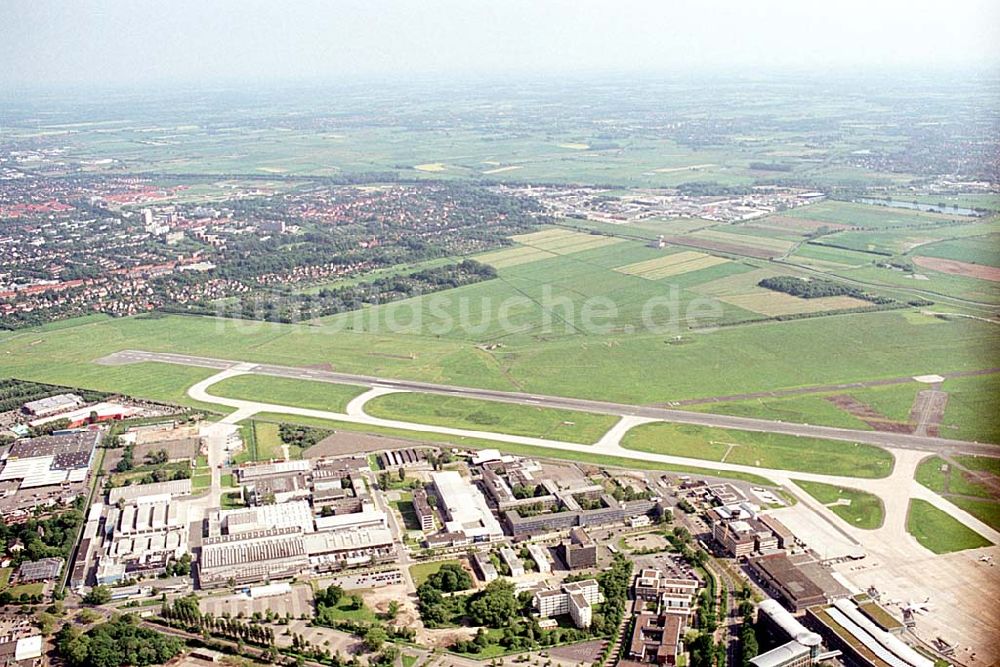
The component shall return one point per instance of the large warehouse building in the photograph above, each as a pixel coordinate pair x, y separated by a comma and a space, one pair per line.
465, 508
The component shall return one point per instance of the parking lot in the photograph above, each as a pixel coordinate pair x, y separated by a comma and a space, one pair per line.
296, 603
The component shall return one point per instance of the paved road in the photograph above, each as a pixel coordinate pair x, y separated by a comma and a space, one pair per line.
878, 438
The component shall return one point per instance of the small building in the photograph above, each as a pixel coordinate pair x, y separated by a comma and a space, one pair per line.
512, 561
484, 567
657, 638
541, 558
423, 510
52, 405
45, 569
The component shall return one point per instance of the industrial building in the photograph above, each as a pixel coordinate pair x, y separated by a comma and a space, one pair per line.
50, 459
177, 488
296, 514
575, 598
138, 540
51, 405
252, 557
335, 550
465, 508
739, 531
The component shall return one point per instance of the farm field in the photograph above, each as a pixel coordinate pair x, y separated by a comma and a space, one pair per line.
772, 304
287, 391
766, 450
670, 265
939, 532
455, 412
858, 508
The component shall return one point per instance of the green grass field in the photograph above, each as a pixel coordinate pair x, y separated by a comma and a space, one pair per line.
421, 571
523, 450
765, 450
947, 479
938, 532
858, 508
524, 420
869, 217
288, 391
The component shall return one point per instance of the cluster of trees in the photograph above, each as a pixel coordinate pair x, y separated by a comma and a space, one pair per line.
14, 393
291, 307
818, 287
117, 643
301, 436
51, 537
680, 540
705, 652
184, 613
438, 609
749, 646
329, 600
180, 567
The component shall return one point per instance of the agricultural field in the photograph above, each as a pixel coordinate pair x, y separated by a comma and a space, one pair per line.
765, 450
939, 532
858, 508
286, 391
525, 420
671, 265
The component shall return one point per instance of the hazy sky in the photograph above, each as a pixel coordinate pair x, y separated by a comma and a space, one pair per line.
126, 41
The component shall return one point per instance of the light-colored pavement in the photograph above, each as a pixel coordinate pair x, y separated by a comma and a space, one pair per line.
879, 438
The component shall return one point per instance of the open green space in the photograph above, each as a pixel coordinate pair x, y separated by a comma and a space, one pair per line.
974, 250
765, 450
420, 571
871, 217
946, 478
858, 508
510, 418
971, 412
987, 511
523, 450
287, 391
200, 482
639, 368
939, 532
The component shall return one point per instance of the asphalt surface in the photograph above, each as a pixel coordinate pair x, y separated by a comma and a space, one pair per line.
878, 438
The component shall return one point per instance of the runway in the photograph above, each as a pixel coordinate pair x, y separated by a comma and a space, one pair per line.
879, 438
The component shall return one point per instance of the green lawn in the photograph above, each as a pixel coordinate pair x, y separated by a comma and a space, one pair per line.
932, 473
199, 482
865, 510
523, 450
971, 412
987, 511
939, 532
524, 420
421, 571
288, 391
766, 450
29, 589
5, 573
344, 612
640, 368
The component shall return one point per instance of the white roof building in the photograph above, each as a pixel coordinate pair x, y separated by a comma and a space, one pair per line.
466, 507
